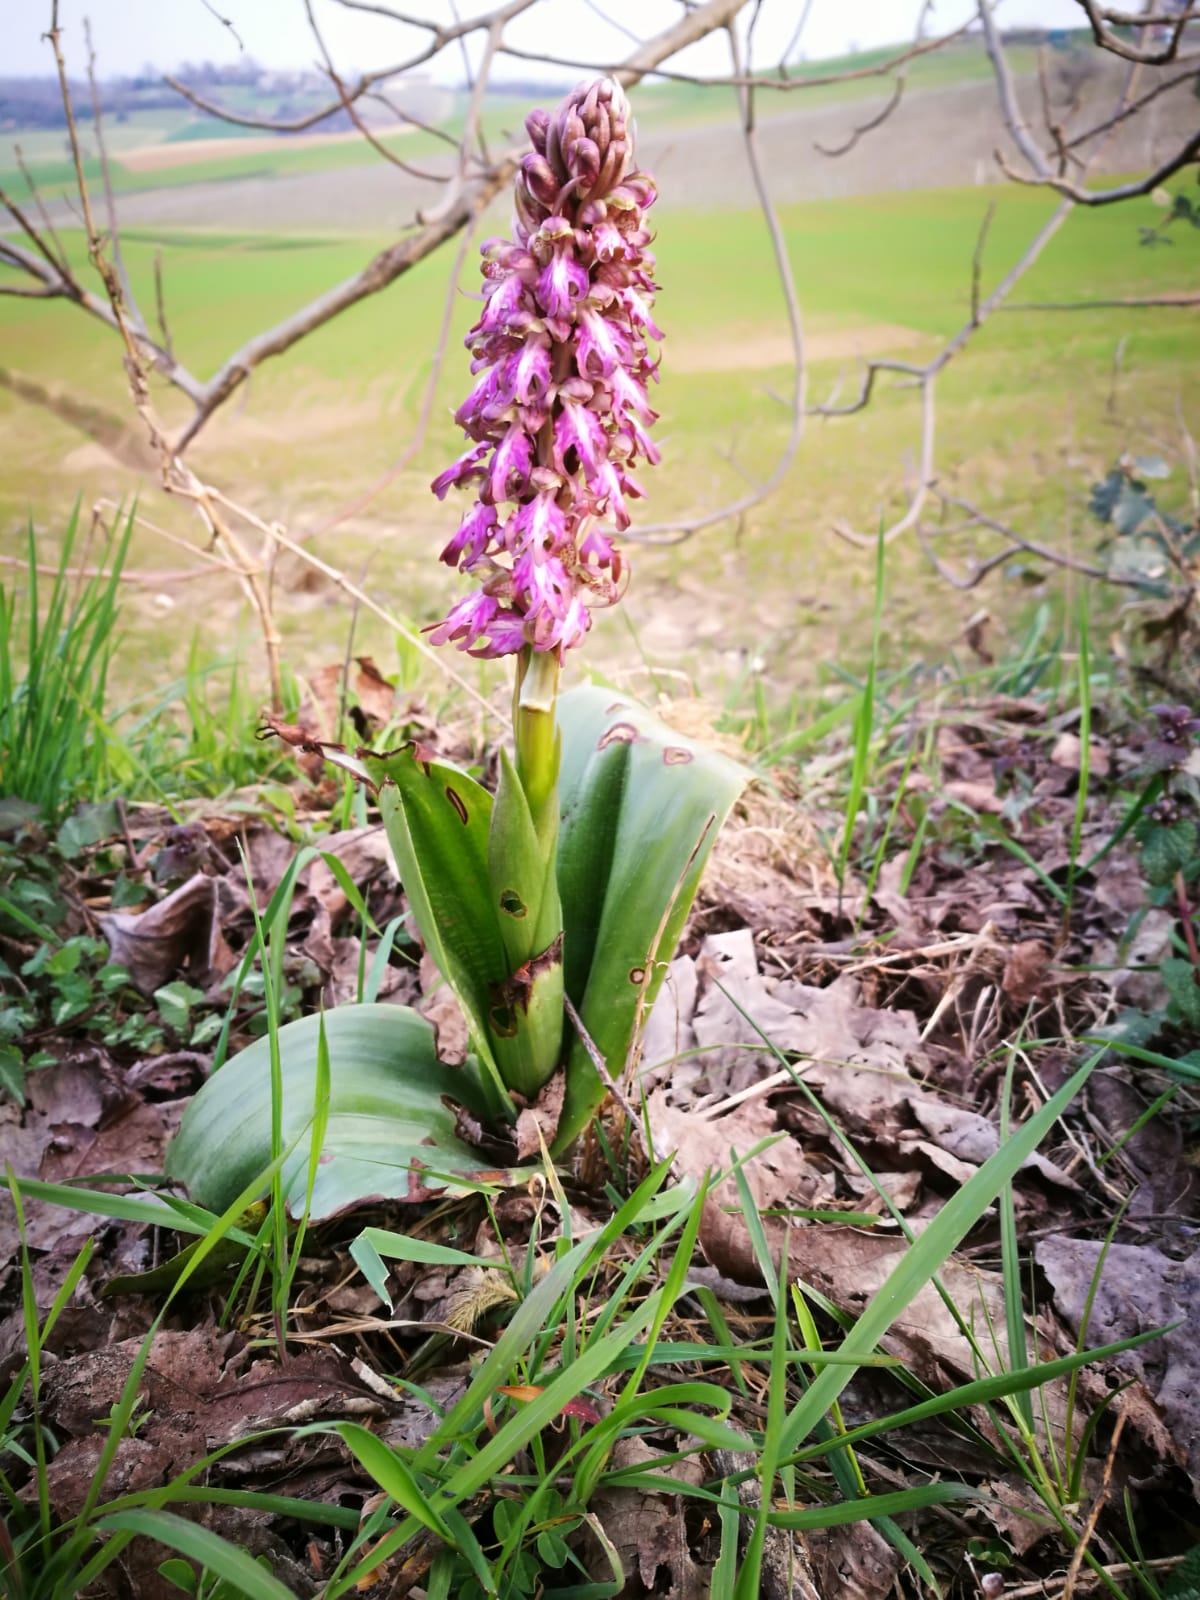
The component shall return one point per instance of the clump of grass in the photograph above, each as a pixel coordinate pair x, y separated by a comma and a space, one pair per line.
55, 653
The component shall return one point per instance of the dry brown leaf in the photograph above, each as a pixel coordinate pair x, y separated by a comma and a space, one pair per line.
180, 934
1026, 968
980, 796
1140, 1288
648, 1530
539, 1122
439, 1007
775, 1176
852, 1563
376, 695
1068, 753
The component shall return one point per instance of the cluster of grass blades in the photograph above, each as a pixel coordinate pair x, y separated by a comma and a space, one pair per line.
61, 743
56, 646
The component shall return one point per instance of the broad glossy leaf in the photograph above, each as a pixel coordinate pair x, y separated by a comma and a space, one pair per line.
641, 806
438, 819
389, 1132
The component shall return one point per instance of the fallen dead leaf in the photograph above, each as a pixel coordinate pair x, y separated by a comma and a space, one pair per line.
539, 1122
648, 1530
180, 934
1140, 1288
451, 1034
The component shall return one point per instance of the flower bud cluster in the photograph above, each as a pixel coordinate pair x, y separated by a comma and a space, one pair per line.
559, 415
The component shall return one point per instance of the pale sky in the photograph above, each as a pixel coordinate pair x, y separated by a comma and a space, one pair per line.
129, 34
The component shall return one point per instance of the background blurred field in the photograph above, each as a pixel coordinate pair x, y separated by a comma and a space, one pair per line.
1034, 411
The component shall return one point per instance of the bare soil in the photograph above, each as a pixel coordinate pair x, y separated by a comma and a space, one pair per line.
188, 152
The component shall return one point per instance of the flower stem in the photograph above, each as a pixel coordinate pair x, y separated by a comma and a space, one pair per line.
535, 731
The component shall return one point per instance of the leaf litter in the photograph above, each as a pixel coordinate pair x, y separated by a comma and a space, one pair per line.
892, 1002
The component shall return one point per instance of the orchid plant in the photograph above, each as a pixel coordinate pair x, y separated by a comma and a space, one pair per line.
551, 907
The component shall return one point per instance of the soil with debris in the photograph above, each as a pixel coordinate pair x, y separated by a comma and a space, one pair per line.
899, 1010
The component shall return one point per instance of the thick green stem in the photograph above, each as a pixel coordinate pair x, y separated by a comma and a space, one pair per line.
536, 734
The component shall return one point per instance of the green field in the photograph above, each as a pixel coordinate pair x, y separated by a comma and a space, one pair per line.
1027, 415
660, 104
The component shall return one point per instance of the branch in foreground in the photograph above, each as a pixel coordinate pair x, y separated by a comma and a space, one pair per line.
471, 198
1040, 174
176, 477
1103, 19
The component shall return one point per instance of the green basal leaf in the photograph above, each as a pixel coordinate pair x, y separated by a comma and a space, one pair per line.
389, 1133
641, 806
438, 821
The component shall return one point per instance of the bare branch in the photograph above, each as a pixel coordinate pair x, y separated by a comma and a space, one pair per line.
418, 439
110, 205
881, 69
1104, 20
177, 478
63, 261
160, 304
797, 34
675, 532
413, 122
1130, 108
1133, 303
442, 35
226, 22
1017, 541
977, 261
351, 110
926, 377
869, 126
1107, 197
878, 120
275, 534
398, 258
634, 38
383, 270
60, 269
1040, 174
1014, 117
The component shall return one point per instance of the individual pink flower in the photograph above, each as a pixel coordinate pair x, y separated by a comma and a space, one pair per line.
559, 411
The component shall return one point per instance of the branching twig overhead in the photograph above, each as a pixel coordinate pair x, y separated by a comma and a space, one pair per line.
675, 532
1103, 20
1039, 173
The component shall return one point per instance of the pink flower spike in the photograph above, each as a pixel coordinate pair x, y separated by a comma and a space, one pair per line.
539, 525
558, 411
511, 464
467, 619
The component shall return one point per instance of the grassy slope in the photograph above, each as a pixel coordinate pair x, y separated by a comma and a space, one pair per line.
1023, 418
